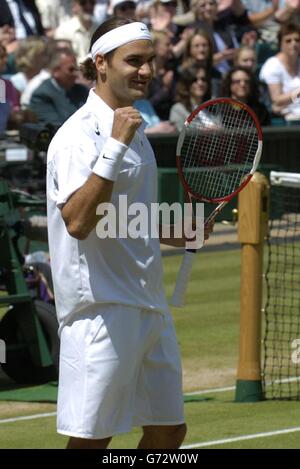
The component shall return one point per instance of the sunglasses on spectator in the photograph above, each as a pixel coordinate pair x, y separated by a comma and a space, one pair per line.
203, 79
241, 80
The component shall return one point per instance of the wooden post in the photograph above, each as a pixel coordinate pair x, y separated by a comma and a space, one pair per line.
252, 228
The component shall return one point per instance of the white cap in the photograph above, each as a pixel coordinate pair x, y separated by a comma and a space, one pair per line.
115, 3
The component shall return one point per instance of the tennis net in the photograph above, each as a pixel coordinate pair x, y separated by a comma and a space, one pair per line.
281, 364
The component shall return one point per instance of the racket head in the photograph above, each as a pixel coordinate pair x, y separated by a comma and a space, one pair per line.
218, 150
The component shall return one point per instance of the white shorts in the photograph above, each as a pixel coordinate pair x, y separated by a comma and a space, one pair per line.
119, 367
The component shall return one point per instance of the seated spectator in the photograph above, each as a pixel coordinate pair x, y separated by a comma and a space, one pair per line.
8, 37
282, 73
199, 51
58, 97
8, 40
245, 56
79, 28
29, 60
23, 16
240, 83
52, 45
9, 96
162, 87
193, 89
11, 116
124, 8
220, 26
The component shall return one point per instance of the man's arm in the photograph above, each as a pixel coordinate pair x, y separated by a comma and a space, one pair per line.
79, 212
172, 240
236, 6
257, 19
279, 99
286, 13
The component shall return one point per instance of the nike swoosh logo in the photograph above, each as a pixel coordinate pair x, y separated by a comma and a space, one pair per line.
106, 158
97, 132
143, 29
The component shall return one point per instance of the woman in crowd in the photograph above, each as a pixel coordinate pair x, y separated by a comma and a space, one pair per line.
162, 88
222, 26
282, 73
245, 56
11, 116
199, 51
240, 84
193, 88
29, 60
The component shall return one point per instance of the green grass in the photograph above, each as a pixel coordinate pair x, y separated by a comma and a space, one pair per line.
217, 418
208, 326
208, 334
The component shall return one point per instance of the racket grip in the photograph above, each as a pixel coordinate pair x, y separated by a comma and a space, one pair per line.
183, 279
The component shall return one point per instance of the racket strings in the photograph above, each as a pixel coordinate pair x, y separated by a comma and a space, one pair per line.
218, 150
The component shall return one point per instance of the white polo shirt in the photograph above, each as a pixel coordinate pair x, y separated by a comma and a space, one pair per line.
122, 270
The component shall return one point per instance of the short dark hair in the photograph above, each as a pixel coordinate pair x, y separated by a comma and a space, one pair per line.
88, 67
253, 85
287, 28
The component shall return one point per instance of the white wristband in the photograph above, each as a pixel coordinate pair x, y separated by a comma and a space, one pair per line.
110, 159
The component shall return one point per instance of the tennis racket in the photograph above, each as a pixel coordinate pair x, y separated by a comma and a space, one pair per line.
218, 151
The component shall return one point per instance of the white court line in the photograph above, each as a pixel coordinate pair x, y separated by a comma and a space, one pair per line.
241, 438
205, 391
232, 388
28, 417
211, 390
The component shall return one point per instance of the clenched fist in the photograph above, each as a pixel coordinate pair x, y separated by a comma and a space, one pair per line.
126, 121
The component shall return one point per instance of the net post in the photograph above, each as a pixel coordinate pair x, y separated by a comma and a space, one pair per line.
252, 228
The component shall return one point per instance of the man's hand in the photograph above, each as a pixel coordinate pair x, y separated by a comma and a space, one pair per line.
292, 4
236, 6
228, 54
160, 21
126, 121
208, 228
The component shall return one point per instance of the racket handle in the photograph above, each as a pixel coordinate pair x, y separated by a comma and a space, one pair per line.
183, 278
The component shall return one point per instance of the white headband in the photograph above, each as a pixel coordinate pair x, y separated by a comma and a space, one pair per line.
118, 37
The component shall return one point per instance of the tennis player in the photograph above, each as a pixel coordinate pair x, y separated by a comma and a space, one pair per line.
119, 360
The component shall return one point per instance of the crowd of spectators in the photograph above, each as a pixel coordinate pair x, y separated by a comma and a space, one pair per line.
245, 49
